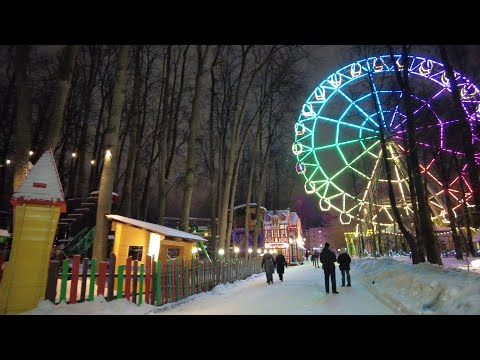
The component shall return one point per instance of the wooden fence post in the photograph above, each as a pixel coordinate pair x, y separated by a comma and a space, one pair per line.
84, 279
93, 272
63, 288
128, 277
74, 279
159, 284
102, 276
164, 279
148, 270
135, 280
121, 269
169, 280
111, 276
140, 291
154, 283
177, 279
51, 289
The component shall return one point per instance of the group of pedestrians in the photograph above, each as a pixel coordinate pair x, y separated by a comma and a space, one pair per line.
269, 263
327, 257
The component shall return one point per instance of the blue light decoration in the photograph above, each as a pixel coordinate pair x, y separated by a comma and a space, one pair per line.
337, 143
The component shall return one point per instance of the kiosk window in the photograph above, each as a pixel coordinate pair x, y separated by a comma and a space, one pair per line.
135, 252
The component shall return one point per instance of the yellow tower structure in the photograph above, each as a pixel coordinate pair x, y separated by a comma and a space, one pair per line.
37, 205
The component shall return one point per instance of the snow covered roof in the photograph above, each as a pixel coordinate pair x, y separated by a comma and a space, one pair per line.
158, 229
4, 232
42, 185
251, 205
97, 192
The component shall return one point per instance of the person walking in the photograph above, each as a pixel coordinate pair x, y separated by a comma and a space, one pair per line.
281, 264
268, 263
344, 261
327, 258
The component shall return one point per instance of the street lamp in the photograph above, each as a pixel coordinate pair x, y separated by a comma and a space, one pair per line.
74, 154
236, 250
221, 252
92, 162
250, 250
259, 251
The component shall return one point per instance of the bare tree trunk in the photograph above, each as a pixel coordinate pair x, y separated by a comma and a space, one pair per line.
98, 142
416, 256
162, 159
233, 193
426, 226
211, 162
231, 156
153, 157
248, 198
108, 173
63, 88
466, 213
23, 134
126, 204
192, 137
87, 104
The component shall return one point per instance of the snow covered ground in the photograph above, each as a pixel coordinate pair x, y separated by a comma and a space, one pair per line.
384, 286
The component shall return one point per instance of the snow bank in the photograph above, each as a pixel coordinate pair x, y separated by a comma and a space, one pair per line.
99, 306
420, 289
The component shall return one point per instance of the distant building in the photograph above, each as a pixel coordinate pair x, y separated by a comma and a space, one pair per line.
282, 231
315, 240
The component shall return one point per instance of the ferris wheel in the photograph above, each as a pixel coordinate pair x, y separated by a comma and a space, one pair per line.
337, 139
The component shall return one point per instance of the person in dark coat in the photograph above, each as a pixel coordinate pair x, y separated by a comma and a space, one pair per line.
281, 265
327, 258
316, 262
344, 261
268, 263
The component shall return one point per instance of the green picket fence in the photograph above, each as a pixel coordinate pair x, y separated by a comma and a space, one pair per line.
152, 282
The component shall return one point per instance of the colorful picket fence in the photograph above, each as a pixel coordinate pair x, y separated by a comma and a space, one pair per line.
155, 283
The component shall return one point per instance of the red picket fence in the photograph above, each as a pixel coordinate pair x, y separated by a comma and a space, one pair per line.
153, 282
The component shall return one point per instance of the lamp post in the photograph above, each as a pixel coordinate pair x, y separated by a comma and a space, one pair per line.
236, 250
194, 252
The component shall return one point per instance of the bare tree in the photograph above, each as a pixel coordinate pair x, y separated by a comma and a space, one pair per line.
202, 55
133, 129
64, 79
426, 226
23, 134
108, 173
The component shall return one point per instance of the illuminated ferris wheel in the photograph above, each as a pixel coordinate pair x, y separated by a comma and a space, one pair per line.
337, 142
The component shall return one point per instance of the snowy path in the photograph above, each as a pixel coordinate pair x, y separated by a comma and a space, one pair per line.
301, 293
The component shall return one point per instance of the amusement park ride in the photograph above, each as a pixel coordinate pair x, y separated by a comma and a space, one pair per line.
338, 149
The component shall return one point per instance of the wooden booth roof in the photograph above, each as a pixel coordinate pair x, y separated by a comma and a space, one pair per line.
155, 228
